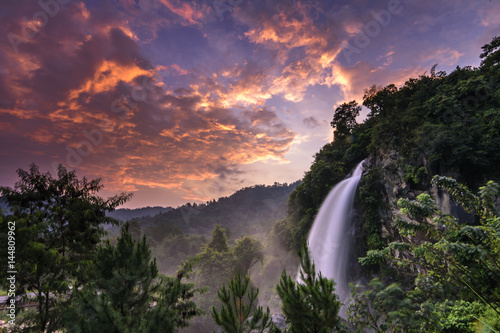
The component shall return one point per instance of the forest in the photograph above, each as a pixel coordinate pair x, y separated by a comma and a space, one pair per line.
426, 215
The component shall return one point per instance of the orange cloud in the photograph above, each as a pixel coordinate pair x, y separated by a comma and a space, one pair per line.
21, 113
42, 136
354, 80
196, 143
353, 28
184, 10
283, 32
286, 30
107, 77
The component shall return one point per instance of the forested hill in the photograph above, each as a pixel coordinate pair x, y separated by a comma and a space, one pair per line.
126, 214
249, 211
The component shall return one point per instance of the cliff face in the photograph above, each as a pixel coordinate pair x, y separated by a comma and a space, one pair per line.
387, 178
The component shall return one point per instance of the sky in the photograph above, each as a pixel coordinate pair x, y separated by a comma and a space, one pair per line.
188, 101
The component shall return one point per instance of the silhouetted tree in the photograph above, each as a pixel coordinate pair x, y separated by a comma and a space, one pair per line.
491, 54
344, 119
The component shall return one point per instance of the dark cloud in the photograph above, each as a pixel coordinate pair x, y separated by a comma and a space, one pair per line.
311, 122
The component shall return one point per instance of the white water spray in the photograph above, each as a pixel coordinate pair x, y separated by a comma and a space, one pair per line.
330, 240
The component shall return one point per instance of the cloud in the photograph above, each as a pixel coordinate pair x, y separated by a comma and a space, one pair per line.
489, 16
304, 49
311, 122
188, 12
89, 98
447, 56
362, 75
169, 94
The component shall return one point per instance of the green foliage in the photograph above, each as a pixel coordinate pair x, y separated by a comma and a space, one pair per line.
488, 322
371, 202
214, 266
491, 54
181, 233
344, 119
135, 229
126, 293
414, 173
488, 194
449, 122
460, 316
248, 252
248, 211
218, 243
436, 124
217, 263
388, 308
379, 101
58, 224
239, 313
463, 258
175, 249
470, 202
310, 306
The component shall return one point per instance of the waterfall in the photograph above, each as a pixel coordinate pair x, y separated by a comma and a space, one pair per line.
330, 240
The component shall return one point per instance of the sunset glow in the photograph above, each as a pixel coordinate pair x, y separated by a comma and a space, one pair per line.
192, 100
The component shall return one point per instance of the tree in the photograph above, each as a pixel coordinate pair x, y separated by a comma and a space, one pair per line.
380, 100
344, 119
214, 266
238, 313
58, 222
248, 252
127, 294
310, 306
218, 242
491, 54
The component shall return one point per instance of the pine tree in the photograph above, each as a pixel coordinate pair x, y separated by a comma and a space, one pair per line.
311, 306
128, 295
238, 313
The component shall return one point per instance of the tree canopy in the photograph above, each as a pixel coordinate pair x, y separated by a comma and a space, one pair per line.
58, 225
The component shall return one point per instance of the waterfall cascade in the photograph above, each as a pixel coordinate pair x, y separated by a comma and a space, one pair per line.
329, 239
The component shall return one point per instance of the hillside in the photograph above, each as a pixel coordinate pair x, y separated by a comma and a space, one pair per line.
248, 211
126, 214
179, 233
